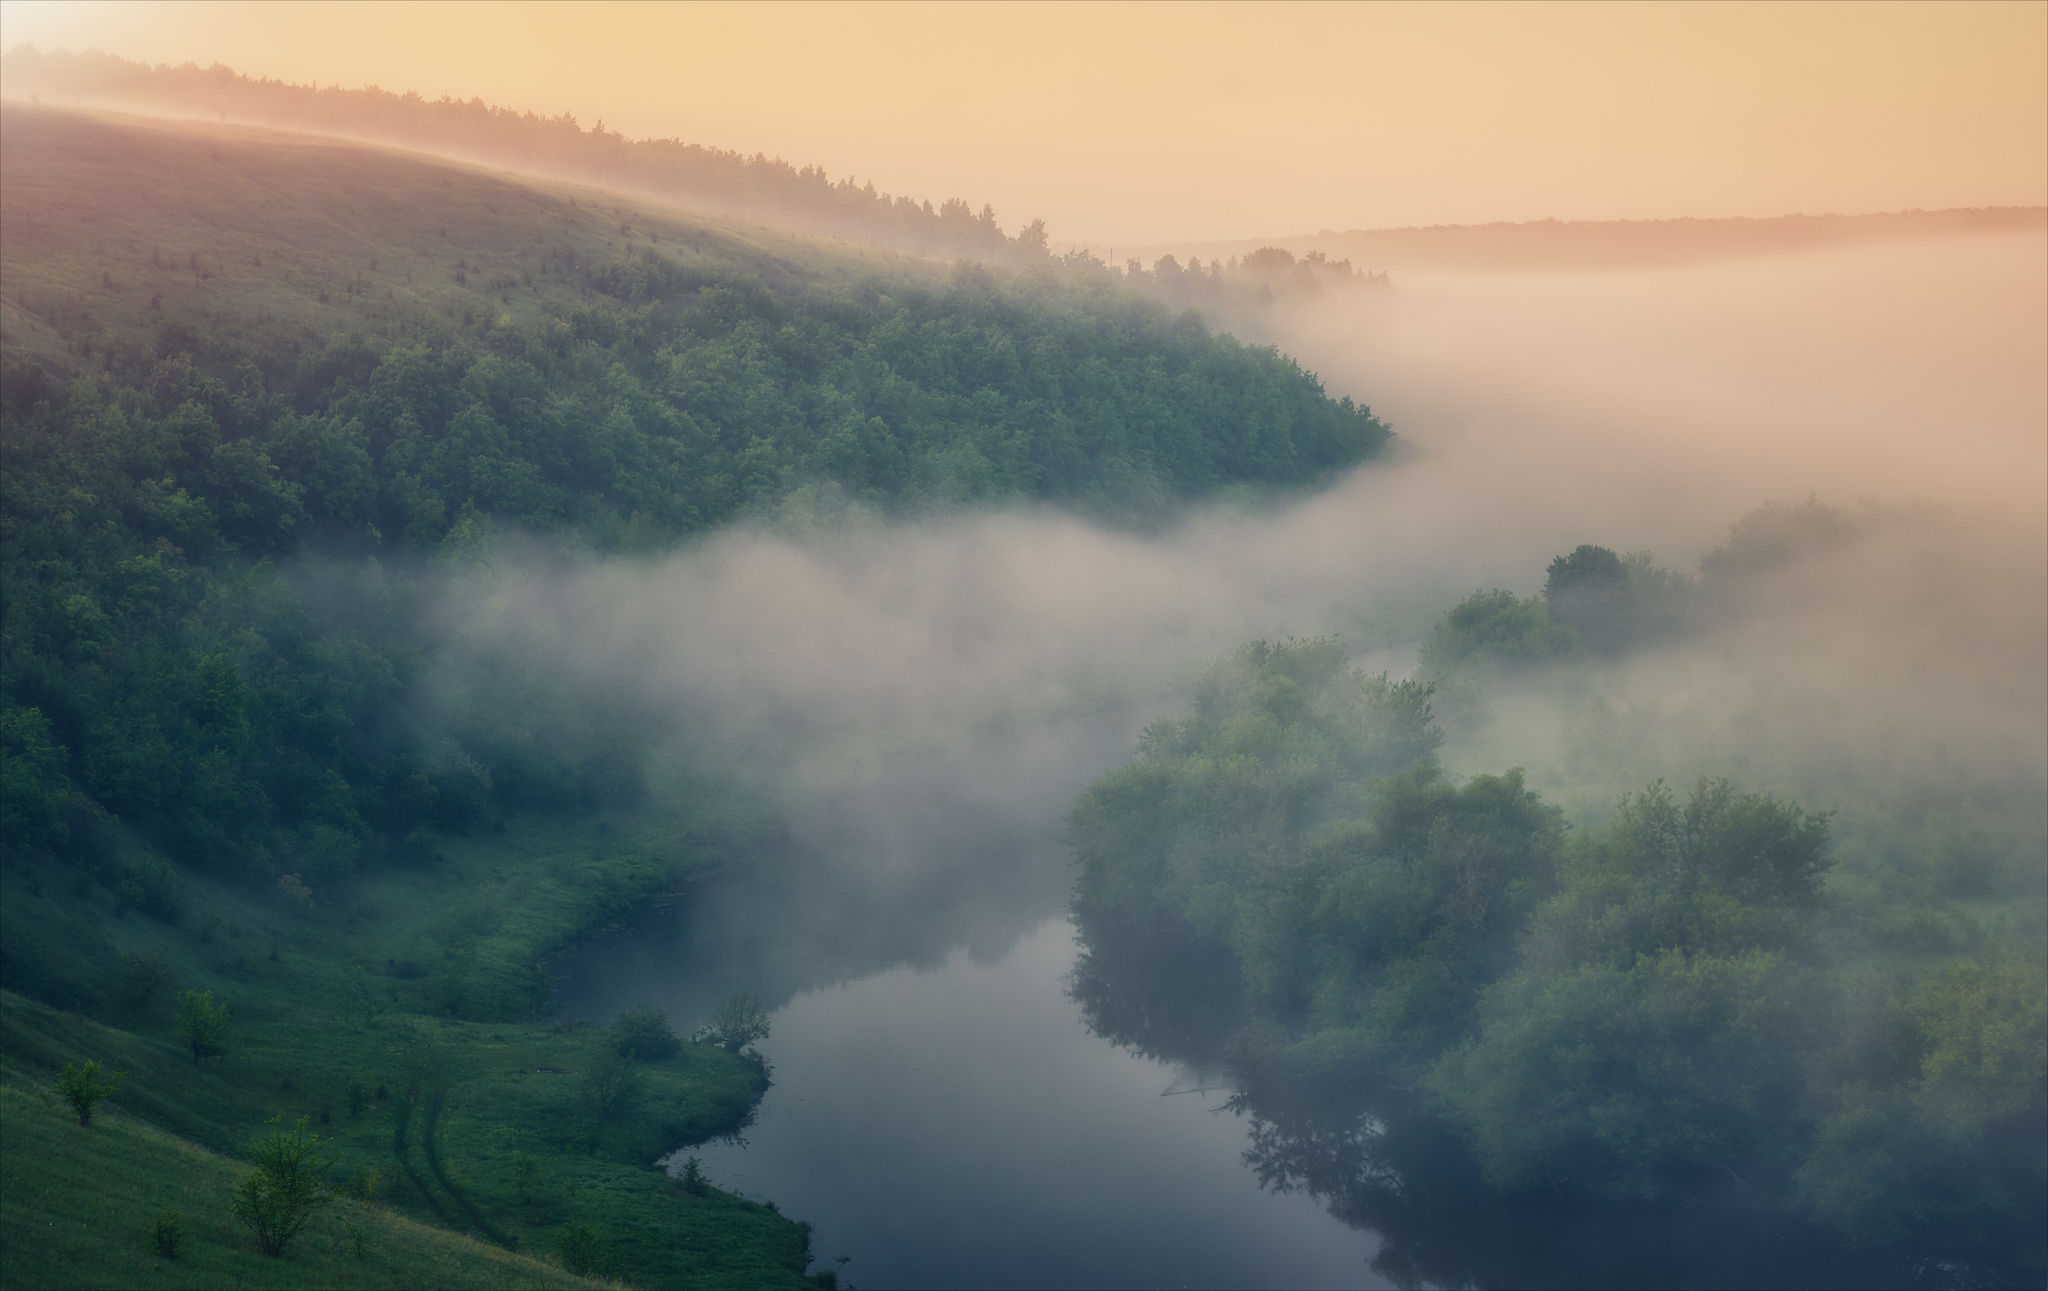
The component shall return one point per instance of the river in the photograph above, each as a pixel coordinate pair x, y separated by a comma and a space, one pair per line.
952, 1122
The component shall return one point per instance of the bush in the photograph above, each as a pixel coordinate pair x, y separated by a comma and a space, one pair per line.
583, 1250
202, 1025
644, 1033
286, 1187
82, 1088
167, 1230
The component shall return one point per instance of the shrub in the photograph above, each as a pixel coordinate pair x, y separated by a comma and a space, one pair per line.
167, 1230
644, 1033
202, 1025
282, 1192
82, 1088
583, 1250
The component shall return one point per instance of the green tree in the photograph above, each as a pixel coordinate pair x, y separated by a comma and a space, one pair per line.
280, 1196
202, 1025
82, 1088
1588, 591
1661, 1017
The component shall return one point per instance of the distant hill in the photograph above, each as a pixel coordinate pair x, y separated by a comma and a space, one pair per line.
761, 188
1623, 244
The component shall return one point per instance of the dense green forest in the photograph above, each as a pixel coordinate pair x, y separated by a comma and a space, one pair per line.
162, 667
257, 426
1700, 994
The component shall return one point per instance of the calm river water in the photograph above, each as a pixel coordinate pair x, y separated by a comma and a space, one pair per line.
952, 1122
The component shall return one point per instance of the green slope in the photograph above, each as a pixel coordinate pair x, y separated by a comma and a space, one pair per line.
266, 241
76, 1207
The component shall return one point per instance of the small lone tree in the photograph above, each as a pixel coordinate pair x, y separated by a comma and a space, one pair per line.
202, 1025
82, 1088
286, 1187
739, 1022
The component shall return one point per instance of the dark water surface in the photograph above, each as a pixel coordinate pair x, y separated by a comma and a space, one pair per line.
955, 1123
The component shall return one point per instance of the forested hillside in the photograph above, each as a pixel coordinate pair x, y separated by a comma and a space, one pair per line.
398, 357
270, 404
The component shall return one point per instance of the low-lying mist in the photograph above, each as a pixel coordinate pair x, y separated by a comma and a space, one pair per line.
921, 701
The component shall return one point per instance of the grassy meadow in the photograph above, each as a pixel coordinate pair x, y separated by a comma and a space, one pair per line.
440, 1127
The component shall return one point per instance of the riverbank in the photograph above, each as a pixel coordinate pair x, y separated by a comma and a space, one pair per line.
401, 1021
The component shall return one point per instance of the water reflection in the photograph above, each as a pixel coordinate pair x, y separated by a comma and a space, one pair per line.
1369, 1150
958, 1125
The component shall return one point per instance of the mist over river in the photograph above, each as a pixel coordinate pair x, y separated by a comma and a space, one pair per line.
923, 702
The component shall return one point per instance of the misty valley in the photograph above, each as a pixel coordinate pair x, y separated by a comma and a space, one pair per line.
557, 737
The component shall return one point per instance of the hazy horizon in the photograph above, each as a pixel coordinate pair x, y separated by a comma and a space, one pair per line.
1221, 123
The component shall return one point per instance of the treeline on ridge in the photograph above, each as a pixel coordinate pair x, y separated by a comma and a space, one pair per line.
757, 187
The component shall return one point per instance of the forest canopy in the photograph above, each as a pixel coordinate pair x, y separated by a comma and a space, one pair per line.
1701, 994
217, 538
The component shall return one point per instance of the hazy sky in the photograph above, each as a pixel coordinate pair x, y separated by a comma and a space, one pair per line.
1157, 122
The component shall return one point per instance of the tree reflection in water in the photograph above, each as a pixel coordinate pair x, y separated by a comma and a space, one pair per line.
1370, 1150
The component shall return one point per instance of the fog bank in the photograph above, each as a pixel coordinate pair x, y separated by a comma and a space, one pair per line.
924, 699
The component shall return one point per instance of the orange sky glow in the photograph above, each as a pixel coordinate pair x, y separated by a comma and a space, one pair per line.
1151, 123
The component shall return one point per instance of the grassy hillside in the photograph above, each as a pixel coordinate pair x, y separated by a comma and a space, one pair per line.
76, 1208
263, 244
344, 1011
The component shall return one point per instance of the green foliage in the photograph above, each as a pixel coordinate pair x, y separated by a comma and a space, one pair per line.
39, 806
1494, 628
584, 1250
81, 1087
202, 1025
612, 1085
1589, 592
1940, 1126
644, 1032
1283, 742
1631, 1079
150, 885
1658, 1020
1727, 872
167, 1232
278, 1198
83, 1211
739, 1021
693, 1181
160, 671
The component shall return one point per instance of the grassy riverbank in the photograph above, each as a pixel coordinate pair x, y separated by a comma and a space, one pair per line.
465, 1140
